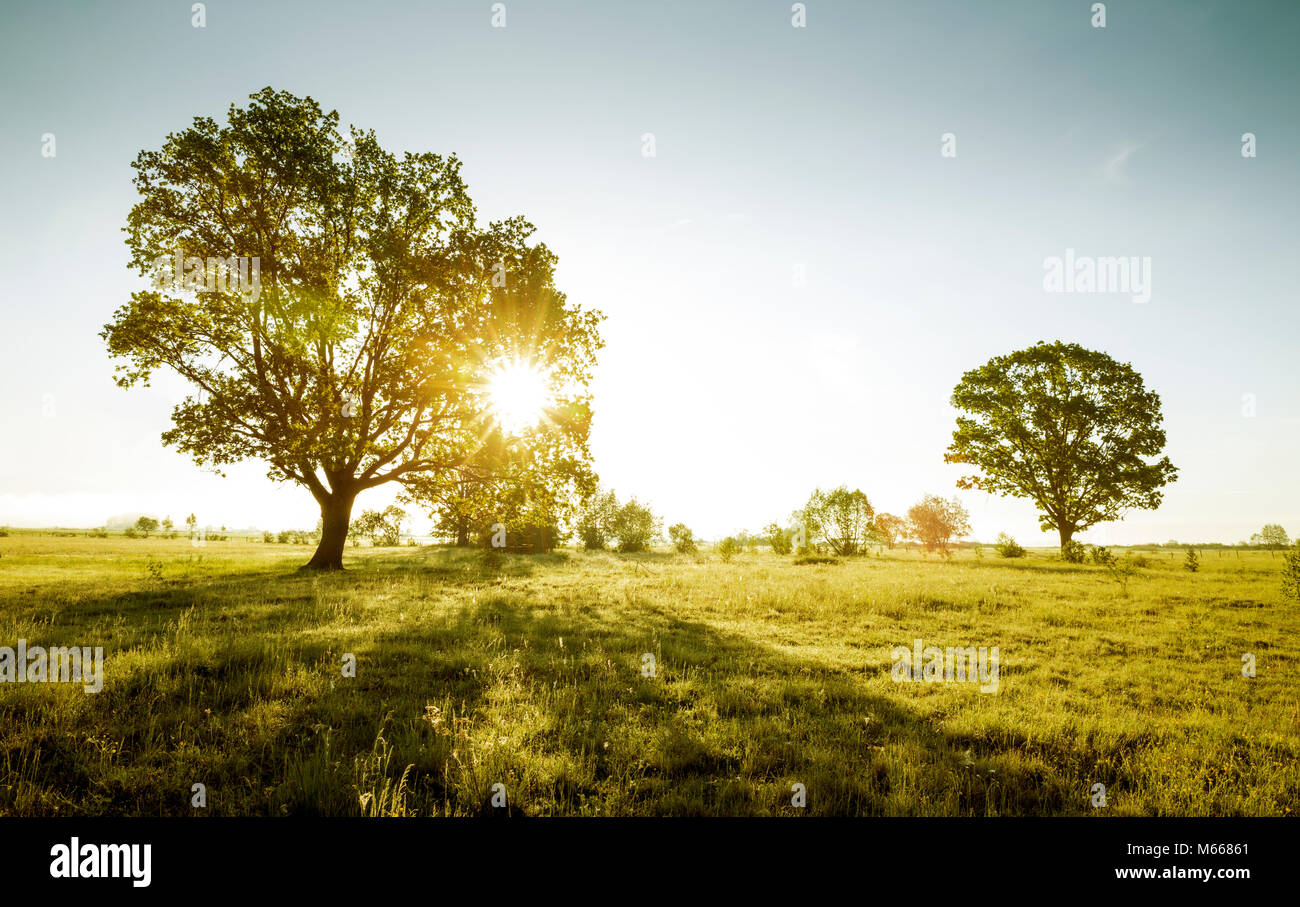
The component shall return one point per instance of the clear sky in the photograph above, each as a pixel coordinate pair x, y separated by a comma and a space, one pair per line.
730, 385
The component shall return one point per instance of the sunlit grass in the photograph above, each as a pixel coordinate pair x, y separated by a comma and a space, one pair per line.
224, 669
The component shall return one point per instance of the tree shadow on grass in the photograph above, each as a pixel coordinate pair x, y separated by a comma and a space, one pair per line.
571, 711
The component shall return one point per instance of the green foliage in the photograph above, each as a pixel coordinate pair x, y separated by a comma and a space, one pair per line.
888, 529
1271, 536
840, 517
1291, 574
145, 525
381, 527
1192, 562
1073, 552
936, 522
683, 539
727, 548
358, 356
1066, 427
595, 524
1101, 556
635, 527
1008, 547
778, 537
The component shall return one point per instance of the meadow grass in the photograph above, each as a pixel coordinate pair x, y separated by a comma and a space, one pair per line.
224, 667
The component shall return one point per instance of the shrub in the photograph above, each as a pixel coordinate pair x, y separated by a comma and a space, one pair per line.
815, 559
1291, 574
683, 539
778, 538
4, 532
595, 522
635, 527
727, 548
843, 518
283, 537
936, 522
130, 533
1101, 556
1008, 547
1073, 552
267, 536
1192, 562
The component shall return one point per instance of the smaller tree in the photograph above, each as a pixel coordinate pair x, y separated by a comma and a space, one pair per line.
778, 537
728, 548
635, 526
936, 522
381, 527
842, 517
1008, 547
1192, 562
1272, 536
889, 529
168, 525
595, 523
682, 538
146, 525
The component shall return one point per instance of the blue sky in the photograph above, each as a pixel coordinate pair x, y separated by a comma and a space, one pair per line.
729, 387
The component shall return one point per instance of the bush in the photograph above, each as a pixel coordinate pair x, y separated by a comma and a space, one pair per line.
1101, 556
595, 522
635, 527
1008, 547
727, 548
283, 537
778, 538
130, 533
1073, 552
683, 539
268, 537
4, 532
1291, 574
1192, 562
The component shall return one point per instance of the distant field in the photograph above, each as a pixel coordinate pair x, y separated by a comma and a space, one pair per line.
224, 668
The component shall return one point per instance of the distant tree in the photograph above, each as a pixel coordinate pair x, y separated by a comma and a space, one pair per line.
146, 525
382, 527
1271, 536
682, 538
191, 523
727, 548
363, 352
635, 526
1192, 562
889, 528
168, 525
841, 517
595, 524
1066, 427
936, 522
778, 537
1008, 547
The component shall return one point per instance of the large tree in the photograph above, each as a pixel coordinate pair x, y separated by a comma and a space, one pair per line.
363, 352
1069, 428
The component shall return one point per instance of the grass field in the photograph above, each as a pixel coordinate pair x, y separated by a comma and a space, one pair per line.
224, 667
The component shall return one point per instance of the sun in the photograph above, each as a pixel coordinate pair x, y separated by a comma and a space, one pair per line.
518, 394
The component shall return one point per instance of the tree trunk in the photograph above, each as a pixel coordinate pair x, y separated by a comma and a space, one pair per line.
462, 535
336, 517
1067, 533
